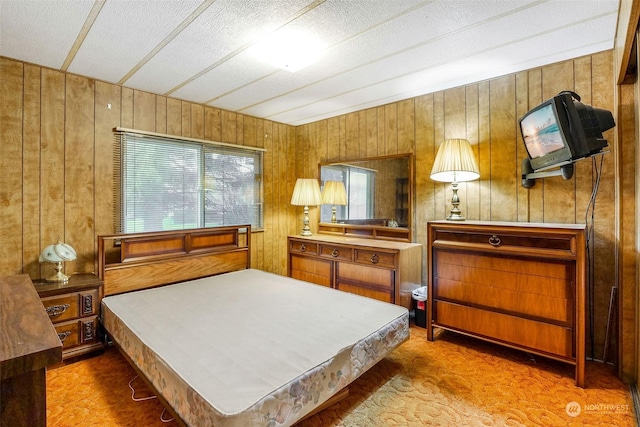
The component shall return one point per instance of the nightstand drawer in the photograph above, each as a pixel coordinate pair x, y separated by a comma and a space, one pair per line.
68, 333
62, 308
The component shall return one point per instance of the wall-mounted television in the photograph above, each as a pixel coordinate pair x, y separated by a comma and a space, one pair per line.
562, 130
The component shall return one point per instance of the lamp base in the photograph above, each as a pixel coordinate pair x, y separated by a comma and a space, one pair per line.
59, 276
306, 230
456, 213
455, 217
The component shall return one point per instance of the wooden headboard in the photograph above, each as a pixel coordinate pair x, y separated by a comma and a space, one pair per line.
129, 262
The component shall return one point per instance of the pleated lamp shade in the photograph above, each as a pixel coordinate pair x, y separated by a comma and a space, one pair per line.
334, 193
455, 162
306, 193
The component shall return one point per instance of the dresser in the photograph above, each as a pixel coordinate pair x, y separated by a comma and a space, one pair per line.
516, 284
28, 344
380, 269
73, 307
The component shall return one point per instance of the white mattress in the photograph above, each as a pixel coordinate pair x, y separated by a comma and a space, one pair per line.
250, 347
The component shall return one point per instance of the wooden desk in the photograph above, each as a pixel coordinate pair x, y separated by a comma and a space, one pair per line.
28, 344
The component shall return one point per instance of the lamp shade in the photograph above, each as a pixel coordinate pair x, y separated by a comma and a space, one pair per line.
334, 193
306, 193
59, 252
455, 162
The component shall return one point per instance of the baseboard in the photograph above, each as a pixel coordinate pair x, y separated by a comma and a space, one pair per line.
636, 402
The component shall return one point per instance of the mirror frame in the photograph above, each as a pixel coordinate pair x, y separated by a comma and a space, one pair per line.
404, 234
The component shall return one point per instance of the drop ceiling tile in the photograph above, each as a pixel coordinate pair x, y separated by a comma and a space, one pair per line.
41, 32
123, 34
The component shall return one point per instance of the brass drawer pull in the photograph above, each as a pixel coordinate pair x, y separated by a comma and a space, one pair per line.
303, 247
56, 310
63, 335
374, 259
494, 240
335, 253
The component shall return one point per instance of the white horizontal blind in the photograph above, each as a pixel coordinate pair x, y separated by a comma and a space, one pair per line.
167, 184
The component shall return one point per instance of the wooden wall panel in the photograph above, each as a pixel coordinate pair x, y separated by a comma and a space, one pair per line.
52, 221
79, 191
503, 161
144, 111
107, 117
31, 172
11, 111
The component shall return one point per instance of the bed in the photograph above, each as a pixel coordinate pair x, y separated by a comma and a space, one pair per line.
225, 345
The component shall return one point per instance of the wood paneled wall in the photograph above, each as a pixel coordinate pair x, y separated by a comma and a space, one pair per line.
486, 113
57, 140
57, 162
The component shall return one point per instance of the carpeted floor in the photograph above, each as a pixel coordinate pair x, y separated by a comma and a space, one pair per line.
453, 381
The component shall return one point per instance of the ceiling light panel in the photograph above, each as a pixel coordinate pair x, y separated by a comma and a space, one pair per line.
222, 30
52, 28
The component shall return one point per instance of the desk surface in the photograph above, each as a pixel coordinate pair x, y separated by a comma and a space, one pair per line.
28, 340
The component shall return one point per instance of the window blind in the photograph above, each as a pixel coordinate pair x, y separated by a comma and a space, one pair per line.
168, 183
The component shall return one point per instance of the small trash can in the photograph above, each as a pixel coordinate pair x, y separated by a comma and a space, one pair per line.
420, 306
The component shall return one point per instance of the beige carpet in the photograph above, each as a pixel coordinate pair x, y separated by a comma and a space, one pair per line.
453, 381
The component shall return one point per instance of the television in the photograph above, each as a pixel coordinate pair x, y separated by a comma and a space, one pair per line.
562, 130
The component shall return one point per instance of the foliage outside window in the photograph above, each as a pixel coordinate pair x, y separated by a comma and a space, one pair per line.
360, 186
167, 183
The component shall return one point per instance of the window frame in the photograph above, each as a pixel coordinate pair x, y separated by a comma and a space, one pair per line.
124, 135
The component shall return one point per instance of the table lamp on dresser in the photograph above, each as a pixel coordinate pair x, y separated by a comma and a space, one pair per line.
455, 163
306, 193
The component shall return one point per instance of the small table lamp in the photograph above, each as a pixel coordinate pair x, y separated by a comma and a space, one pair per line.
455, 163
306, 193
334, 193
57, 254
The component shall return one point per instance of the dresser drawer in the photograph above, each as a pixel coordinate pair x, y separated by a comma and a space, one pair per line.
303, 247
369, 276
528, 287
375, 257
310, 269
540, 336
61, 308
336, 252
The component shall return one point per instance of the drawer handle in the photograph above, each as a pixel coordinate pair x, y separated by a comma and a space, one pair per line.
63, 335
56, 310
303, 247
494, 240
335, 253
374, 259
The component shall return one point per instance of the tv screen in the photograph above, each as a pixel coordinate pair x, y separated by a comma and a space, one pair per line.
541, 132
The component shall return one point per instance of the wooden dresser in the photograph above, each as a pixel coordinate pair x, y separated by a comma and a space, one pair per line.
28, 344
379, 269
73, 307
516, 284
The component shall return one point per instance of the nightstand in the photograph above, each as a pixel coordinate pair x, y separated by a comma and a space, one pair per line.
73, 307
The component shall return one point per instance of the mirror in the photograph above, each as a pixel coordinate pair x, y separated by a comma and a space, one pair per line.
378, 191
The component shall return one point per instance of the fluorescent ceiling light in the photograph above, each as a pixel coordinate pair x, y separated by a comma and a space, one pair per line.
289, 50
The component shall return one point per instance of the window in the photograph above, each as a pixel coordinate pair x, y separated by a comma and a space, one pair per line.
167, 183
360, 185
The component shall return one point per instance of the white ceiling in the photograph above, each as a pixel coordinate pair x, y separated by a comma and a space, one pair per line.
377, 51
